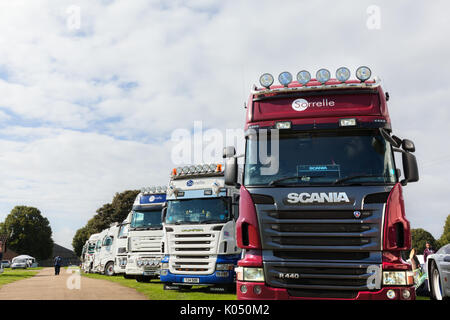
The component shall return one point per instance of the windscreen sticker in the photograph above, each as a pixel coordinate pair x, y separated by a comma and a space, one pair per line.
322, 170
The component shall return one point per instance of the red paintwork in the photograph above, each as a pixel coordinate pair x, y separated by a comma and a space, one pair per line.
247, 215
270, 293
365, 107
395, 213
252, 258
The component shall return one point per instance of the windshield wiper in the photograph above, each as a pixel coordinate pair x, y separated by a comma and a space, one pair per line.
358, 176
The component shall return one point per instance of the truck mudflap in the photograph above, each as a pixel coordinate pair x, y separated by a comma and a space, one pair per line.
259, 291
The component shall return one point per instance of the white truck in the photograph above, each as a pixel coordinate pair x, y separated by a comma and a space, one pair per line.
120, 260
87, 257
145, 235
199, 244
96, 268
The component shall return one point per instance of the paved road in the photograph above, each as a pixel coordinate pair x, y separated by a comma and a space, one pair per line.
66, 286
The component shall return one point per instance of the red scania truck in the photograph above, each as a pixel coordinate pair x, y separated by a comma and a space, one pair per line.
321, 205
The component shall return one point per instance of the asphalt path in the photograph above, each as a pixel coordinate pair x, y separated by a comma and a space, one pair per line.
68, 285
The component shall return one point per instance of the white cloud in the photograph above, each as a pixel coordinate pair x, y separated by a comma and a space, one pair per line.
72, 136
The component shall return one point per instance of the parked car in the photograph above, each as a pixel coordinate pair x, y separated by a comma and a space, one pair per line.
19, 264
6, 263
438, 273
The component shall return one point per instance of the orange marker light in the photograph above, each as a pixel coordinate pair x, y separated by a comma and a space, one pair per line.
174, 171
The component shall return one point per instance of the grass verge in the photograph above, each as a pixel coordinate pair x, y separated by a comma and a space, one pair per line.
155, 291
10, 275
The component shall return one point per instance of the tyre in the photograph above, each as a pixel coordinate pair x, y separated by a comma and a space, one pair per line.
435, 283
143, 278
109, 269
128, 276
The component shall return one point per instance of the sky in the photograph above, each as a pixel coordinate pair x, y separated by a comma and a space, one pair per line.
94, 95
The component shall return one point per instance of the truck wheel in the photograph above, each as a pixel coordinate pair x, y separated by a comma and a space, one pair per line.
109, 268
128, 276
435, 282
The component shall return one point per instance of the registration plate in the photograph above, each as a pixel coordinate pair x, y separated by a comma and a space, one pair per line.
148, 273
191, 280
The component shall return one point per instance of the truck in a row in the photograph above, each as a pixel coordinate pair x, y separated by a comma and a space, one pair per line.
317, 211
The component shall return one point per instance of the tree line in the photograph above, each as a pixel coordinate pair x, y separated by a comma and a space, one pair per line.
116, 211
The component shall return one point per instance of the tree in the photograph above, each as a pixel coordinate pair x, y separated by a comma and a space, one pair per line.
445, 238
420, 237
107, 214
30, 232
122, 204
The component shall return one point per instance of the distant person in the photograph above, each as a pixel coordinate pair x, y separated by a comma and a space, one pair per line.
57, 263
428, 250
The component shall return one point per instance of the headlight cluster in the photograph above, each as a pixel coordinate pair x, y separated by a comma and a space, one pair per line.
250, 274
323, 75
397, 278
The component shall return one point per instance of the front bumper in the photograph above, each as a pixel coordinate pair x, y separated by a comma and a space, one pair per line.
271, 293
192, 279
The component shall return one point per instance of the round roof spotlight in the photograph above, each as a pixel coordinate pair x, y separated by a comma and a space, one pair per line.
192, 169
158, 189
212, 167
363, 73
199, 168
205, 168
153, 189
323, 75
266, 80
343, 74
185, 169
285, 78
179, 170
303, 77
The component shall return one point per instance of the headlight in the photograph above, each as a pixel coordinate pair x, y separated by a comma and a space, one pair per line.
224, 267
363, 73
323, 75
342, 74
253, 274
394, 278
266, 80
285, 78
303, 77
164, 265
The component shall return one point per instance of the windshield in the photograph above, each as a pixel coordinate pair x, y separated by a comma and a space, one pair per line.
146, 219
192, 211
123, 232
322, 158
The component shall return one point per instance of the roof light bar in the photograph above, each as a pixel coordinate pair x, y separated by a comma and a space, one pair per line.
343, 74
197, 169
154, 190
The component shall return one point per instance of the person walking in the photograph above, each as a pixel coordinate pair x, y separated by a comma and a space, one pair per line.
428, 250
57, 263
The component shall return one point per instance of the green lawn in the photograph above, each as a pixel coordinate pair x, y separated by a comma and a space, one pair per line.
10, 275
155, 291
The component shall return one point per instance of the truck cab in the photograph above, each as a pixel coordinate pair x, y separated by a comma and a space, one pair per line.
98, 252
321, 204
120, 259
145, 235
89, 253
199, 243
